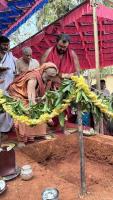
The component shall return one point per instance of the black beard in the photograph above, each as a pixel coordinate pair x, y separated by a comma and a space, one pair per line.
60, 52
4, 50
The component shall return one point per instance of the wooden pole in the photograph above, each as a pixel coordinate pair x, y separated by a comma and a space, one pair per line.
96, 43
82, 154
99, 127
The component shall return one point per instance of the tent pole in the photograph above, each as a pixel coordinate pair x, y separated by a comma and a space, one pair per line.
96, 43
99, 127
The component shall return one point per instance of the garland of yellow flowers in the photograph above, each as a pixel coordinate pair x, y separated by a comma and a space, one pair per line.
42, 119
79, 84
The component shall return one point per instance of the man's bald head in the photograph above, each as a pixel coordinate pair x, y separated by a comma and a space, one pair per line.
26, 50
26, 54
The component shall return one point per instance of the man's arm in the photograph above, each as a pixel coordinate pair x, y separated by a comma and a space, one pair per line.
76, 62
45, 55
31, 90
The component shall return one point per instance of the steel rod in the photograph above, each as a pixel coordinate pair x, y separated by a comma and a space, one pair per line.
82, 154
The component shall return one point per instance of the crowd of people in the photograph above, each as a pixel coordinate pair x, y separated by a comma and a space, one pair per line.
27, 79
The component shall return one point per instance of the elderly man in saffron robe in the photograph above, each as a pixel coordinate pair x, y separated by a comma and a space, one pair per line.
28, 86
65, 58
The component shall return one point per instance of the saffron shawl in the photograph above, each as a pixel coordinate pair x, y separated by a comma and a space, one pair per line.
18, 89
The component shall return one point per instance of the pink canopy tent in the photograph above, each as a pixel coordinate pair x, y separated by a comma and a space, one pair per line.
79, 24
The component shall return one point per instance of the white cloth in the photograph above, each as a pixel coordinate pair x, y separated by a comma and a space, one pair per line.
33, 64
8, 60
8, 75
6, 122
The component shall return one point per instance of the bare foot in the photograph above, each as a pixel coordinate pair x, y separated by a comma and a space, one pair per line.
66, 132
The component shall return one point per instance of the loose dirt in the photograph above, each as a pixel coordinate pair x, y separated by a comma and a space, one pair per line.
56, 163
99, 176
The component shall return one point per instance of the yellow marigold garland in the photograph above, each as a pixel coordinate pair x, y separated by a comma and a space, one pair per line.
43, 118
79, 84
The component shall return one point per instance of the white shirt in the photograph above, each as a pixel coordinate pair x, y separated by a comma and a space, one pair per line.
8, 75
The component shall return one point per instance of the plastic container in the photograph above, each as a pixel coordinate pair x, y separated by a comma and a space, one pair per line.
26, 172
50, 194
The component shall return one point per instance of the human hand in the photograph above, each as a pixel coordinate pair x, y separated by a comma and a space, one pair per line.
67, 75
39, 99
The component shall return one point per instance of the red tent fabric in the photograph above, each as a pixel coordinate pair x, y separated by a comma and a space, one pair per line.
79, 24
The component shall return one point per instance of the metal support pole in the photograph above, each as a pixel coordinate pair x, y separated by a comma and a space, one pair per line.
0, 139
82, 154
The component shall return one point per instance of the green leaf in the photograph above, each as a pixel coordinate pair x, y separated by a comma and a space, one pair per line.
85, 97
67, 88
61, 119
78, 98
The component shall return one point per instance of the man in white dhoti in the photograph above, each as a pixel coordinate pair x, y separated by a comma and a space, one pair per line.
7, 71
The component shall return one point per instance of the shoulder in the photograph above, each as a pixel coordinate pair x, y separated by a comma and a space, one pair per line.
48, 50
18, 61
15, 58
10, 54
45, 55
35, 63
